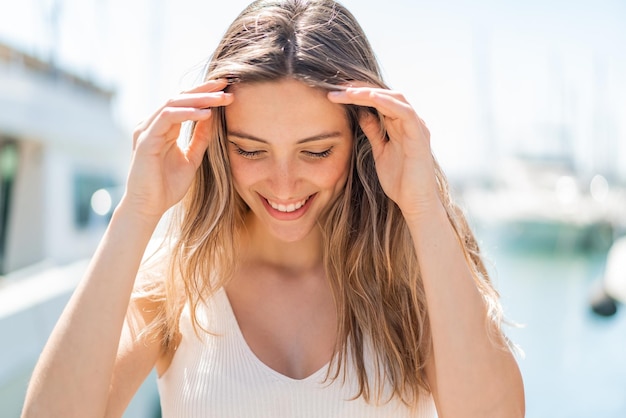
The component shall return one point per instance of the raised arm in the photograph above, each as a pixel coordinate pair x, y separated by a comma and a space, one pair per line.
472, 375
73, 376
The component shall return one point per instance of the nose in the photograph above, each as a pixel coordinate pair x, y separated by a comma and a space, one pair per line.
284, 178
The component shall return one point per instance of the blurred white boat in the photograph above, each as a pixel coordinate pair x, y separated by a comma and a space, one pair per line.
545, 205
610, 291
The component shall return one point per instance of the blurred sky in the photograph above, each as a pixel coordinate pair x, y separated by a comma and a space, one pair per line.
489, 77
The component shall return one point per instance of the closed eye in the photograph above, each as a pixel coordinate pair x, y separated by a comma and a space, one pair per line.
245, 153
322, 154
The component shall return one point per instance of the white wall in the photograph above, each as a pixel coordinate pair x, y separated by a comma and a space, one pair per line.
62, 129
24, 243
64, 241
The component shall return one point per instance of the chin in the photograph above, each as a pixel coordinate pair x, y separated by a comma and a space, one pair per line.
291, 235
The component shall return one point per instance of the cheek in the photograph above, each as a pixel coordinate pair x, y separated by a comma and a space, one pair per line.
241, 174
335, 175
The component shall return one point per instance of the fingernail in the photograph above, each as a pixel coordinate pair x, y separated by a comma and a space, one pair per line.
334, 94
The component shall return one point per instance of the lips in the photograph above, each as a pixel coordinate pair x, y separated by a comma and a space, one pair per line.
291, 207
288, 211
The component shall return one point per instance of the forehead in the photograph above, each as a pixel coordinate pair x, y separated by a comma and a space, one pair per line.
285, 109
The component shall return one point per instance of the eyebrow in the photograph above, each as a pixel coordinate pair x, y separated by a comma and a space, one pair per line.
319, 137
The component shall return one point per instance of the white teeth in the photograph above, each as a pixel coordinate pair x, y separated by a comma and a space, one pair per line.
287, 208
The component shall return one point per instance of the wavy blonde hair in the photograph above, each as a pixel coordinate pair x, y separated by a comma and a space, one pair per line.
369, 256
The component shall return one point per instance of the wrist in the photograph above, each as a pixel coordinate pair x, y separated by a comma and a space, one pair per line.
427, 211
134, 215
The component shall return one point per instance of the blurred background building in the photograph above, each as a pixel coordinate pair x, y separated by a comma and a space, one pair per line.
59, 146
61, 160
526, 104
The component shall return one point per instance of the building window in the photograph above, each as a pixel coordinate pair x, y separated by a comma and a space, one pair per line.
94, 199
9, 159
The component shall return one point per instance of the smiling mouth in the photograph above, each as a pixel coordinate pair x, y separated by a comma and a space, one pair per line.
292, 207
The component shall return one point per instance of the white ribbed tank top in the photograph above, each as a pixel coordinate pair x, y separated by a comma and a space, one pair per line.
219, 376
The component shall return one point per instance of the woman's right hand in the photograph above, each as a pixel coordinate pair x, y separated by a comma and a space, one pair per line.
84, 353
161, 171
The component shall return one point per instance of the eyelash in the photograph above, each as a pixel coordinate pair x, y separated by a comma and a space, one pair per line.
247, 154
256, 154
323, 154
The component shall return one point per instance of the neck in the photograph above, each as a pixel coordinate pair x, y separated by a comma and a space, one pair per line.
301, 256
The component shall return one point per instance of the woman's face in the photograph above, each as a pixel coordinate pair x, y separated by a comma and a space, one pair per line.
289, 150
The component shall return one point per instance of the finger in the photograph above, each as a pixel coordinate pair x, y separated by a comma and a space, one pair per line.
139, 129
200, 100
173, 133
208, 86
172, 117
372, 87
199, 142
177, 109
390, 104
371, 127
206, 95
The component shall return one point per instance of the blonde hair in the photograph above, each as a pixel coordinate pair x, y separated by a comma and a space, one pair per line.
369, 256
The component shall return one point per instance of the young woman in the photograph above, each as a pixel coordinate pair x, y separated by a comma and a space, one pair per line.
316, 267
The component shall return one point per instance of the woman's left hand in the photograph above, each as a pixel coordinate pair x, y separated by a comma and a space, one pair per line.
403, 158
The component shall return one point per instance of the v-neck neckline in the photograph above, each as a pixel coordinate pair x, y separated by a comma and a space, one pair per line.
316, 376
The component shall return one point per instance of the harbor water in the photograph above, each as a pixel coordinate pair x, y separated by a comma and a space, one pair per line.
574, 362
